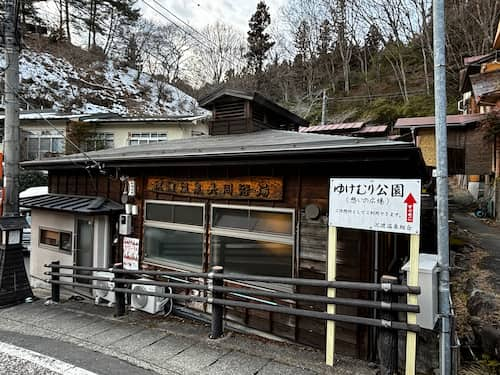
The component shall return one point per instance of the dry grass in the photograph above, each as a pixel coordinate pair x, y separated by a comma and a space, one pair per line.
471, 256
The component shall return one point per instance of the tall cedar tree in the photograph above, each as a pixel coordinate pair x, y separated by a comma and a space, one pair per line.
259, 42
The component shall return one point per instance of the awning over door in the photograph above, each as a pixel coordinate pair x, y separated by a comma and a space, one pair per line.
72, 203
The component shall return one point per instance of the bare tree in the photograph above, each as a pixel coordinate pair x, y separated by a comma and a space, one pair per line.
222, 50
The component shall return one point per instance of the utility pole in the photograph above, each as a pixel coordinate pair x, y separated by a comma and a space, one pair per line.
11, 124
442, 184
323, 109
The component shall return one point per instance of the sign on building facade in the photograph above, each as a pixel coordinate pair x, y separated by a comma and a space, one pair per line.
385, 205
130, 253
258, 188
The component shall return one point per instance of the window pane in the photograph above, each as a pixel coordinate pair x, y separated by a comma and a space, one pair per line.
49, 237
159, 212
58, 145
44, 145
174, 245
192, 215
253, 257
230, 218
179, 214
253, 220
271, 222
66, 241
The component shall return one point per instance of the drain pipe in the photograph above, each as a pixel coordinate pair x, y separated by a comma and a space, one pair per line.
442, 184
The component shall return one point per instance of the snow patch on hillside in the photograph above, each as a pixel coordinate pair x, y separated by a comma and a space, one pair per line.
51, 82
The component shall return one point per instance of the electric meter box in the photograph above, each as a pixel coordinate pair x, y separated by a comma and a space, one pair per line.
125, 227
428, 283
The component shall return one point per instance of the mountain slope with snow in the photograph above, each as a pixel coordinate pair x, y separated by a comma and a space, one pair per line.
47, 81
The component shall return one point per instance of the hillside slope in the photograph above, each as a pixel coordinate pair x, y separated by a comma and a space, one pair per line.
53, 82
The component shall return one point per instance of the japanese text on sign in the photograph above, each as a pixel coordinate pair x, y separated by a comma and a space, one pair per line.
386, 205
258, 188
130, 253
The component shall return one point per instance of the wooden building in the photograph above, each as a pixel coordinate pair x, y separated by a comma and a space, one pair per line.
235, 199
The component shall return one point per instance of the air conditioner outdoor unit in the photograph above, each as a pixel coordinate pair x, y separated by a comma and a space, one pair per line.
101, 294
149, 304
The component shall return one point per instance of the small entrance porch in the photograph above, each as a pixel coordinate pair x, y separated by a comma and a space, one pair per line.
73, 230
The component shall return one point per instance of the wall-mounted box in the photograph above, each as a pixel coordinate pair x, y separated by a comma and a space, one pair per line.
428, 298
125, 227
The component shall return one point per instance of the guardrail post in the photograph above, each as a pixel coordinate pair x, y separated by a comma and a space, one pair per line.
120, 296
55, 288
388, 338
217, 328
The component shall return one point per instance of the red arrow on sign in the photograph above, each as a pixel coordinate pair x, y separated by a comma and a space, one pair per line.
410, 201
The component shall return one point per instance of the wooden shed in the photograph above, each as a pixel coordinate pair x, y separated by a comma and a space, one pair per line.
240, 200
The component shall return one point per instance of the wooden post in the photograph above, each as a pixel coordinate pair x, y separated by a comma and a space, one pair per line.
388, 338
331, 276
411, 337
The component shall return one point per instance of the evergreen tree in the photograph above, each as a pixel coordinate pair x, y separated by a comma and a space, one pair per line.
259, 42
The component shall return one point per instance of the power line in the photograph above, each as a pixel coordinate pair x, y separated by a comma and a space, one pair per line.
208, 48
364, 97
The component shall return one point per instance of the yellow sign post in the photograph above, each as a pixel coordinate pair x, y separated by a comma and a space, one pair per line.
411, 337
332, 270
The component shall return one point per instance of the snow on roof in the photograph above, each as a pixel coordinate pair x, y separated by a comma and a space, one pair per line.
32, 115
34, 191
186, 118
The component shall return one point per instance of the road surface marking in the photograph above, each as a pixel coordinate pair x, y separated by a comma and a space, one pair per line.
49, 363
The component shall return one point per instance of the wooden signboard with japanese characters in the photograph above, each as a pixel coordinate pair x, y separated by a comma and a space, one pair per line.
247, 188
386, 205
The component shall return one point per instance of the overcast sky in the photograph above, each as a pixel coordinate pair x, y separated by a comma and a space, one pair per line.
199, 13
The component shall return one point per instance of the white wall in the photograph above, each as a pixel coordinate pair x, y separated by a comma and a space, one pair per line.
43, 254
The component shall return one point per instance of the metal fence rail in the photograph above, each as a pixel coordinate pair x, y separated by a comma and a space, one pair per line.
122, 279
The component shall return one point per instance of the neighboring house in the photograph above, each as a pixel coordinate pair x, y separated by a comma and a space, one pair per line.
480, 89
42, 133
48, 134
469, 150
236, 200
356, 129
116, 132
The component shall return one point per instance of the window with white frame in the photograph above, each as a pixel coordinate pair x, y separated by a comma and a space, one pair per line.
253, 240
44, 143
146, 138
101, 141
174, 232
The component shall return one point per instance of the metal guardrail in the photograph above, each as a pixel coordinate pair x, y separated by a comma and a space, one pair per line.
218, 292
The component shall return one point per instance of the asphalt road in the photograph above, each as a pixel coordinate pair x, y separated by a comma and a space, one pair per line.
26, 354
489, 240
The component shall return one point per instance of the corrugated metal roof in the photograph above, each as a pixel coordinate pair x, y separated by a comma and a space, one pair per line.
262, 144
372, 129
332, 127
185, 118
430, 121
72, 203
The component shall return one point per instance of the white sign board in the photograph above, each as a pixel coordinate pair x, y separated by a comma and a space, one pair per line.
130, 253
385, 205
